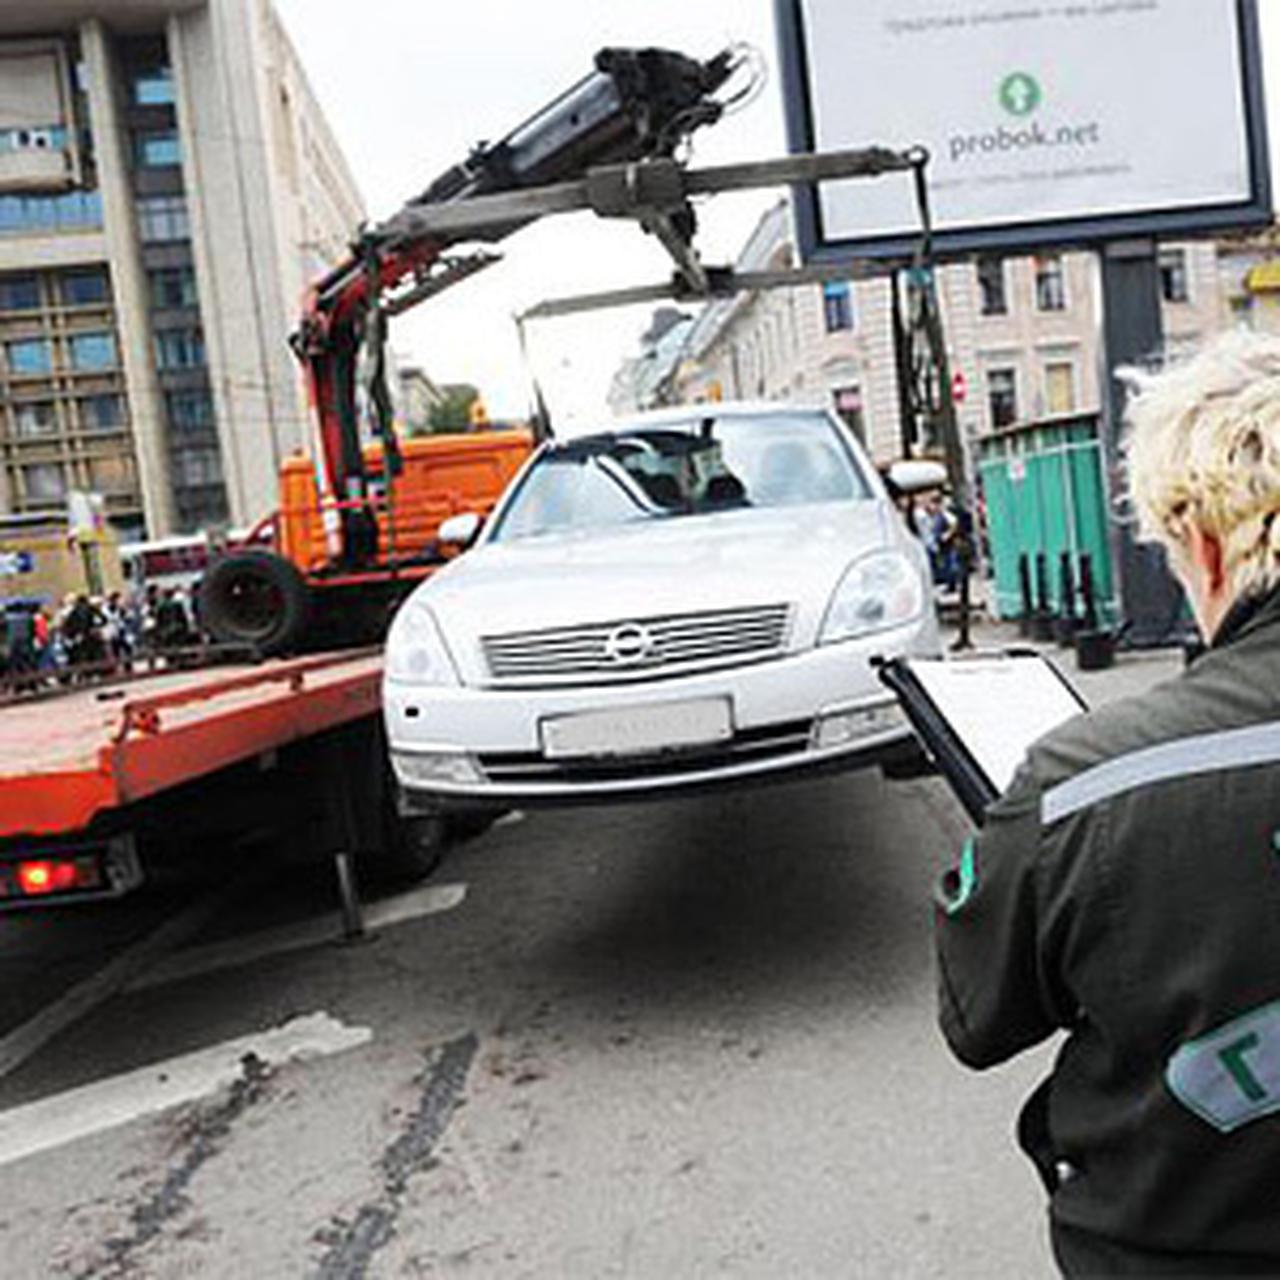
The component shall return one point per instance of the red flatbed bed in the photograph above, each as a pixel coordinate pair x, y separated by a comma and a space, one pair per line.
68, 759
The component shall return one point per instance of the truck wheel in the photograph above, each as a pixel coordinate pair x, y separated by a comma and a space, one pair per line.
255, 598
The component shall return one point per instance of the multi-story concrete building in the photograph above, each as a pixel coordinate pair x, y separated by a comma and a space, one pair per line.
168, 184
1024, 334
418, 397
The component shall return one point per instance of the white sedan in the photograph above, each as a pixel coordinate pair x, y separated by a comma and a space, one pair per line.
691, 597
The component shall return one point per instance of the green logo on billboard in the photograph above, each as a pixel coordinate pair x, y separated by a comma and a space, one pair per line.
1020, 94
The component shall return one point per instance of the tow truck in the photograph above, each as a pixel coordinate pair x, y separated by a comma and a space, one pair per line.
99, 780
348, 549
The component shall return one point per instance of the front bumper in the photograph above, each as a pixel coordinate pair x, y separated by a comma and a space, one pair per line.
494, 735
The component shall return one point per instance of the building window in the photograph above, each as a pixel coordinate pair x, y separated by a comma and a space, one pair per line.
1002, 396
74, 211
44, 482
1060, 386
93, 352
156, 148
51, 137
173, 287
84, 288
991, 289
111, 475
154, 88
1051, 285
37, 418
180, 349
837, 306
19, 293
29, 357
194, 468
848, 405
1173, 275
101, 413
190, 410
163, 218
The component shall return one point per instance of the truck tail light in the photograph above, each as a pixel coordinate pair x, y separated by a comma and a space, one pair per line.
101, 871
58, 875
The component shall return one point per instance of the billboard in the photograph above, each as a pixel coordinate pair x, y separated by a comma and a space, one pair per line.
1049, 122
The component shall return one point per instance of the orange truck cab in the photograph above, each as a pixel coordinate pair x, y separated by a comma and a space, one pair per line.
299, 594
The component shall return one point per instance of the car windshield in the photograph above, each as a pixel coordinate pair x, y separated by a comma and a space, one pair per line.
708, 463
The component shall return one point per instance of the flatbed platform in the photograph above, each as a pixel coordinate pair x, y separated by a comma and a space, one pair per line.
68, 759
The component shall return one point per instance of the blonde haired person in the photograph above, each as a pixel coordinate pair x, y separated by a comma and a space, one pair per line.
1126, 889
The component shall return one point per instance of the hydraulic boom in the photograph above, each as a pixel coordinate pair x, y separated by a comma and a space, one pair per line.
637, 104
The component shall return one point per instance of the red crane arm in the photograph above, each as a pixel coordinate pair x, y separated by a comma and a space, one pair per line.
636, 104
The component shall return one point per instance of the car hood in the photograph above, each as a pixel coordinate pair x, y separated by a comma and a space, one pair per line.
793, 555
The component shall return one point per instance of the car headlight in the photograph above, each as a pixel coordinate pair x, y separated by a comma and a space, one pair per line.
416, 651
879, 591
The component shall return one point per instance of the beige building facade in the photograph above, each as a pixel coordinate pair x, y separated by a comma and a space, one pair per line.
168, 186
1024, 333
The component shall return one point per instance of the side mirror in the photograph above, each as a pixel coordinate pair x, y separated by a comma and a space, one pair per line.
460, 531
916, 475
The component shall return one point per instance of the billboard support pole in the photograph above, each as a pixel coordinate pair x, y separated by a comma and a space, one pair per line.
934, 394
1133, 334
902, 364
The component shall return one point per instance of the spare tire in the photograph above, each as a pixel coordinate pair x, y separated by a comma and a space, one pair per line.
255, 598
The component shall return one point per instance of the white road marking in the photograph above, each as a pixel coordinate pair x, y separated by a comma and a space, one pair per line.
511, 818
108, 1104
233, 953
53, 1019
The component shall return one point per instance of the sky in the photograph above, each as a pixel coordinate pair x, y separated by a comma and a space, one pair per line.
410, 86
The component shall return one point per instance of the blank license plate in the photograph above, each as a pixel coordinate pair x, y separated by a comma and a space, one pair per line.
639, 730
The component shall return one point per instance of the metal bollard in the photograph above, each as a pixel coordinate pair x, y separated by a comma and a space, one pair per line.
1024, 588
1095, 648
349, 898
1042, 627
1089, 620
1067, 621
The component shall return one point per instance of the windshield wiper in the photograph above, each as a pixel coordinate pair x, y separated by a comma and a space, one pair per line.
584, 448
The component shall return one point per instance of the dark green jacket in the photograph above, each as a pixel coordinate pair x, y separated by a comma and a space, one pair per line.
1126, 890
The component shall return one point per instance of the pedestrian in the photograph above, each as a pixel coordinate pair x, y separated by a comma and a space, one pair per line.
20, 643
148, 608
938, 527
115, 633
1126, 889
173, 626
82, 633
45, 649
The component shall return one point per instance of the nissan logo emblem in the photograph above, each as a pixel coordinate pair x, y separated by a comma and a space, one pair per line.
628, 644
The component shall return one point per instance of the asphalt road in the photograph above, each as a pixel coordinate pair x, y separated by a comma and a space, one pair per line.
681, 1039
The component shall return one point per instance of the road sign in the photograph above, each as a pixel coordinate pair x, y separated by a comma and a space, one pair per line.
959, 387
13, 563
1046, 123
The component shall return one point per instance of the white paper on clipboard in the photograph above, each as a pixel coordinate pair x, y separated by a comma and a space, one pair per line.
998, 706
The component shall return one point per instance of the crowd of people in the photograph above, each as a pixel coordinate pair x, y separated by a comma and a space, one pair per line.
92, 636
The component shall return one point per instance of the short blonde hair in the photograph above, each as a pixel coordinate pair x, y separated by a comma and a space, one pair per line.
1204, 448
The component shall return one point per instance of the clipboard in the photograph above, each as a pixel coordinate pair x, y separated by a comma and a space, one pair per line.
977, 715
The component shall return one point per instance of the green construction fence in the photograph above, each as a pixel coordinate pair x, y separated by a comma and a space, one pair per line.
1044, 485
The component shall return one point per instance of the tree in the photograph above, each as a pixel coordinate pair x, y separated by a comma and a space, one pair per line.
453, 411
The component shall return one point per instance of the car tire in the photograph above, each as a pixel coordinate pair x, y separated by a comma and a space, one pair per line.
256, 599
471, 825
415, 847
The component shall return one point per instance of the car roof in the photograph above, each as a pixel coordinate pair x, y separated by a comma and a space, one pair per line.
684, 412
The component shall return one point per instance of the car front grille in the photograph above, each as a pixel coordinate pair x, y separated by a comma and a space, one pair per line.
747, 745
638, 648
